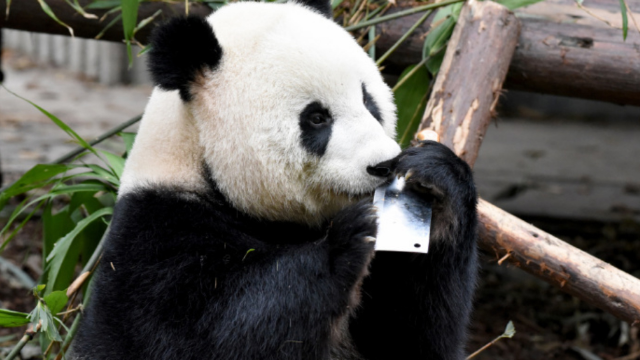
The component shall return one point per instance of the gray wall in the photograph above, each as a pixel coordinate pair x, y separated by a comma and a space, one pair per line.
103, 61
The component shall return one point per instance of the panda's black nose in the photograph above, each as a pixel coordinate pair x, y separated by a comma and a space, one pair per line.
382, 169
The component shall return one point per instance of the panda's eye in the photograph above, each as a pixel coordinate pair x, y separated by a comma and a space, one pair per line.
318, 119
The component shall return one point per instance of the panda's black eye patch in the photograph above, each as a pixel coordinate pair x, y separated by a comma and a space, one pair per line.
370, 104
315, 124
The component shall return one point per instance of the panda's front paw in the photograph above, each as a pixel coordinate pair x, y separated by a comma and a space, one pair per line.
434, 170
351, 239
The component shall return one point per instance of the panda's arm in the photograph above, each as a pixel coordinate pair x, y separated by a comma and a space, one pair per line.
417, 306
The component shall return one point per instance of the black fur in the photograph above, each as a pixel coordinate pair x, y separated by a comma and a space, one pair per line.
321, 6
185, 276
370, 104
181, 49
315, 124
417, 306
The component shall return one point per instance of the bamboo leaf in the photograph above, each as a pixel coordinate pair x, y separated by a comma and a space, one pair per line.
9, 318
625, 20
115, 162
515, 4
62, 259
145, 50
108, 26
104, 4
76, 6
58, 122
128, 138
129, 20
56, 301
400, 14
146, 21
32, 179
104, 174
53, 16
64, 243
411, 101
8, 7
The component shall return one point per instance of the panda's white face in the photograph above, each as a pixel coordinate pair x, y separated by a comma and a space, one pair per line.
293, 115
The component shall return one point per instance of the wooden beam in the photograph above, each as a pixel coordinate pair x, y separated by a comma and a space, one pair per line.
464, 92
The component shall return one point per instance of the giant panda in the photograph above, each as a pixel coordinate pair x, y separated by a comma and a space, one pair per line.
244, 226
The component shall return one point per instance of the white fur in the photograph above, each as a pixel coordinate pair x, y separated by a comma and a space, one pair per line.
277, 58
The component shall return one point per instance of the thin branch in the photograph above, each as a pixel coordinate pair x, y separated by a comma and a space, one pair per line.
400, 14
404, 37
28, 335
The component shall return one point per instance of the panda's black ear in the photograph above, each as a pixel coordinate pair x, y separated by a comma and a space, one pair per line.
322, 6
181, 49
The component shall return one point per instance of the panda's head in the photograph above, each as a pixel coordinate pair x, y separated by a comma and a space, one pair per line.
291, 115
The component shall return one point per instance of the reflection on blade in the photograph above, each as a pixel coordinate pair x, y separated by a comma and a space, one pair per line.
404, 219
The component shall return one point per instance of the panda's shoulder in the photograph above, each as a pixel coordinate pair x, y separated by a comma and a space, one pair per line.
167, 218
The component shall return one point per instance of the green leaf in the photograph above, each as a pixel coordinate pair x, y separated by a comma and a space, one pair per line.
65, 242
104, 4
115, 162
62, 259
625, 20
42, 314
434, 62
128, 138
411, 100
108, 26
129, 20
32, 179
56, 301
6, 16
336, 3
436, 41
145, 50
38, 289
146, 21
515, 4
104, 174
77, 7
58, 122
54, 227
53, 16
10, 318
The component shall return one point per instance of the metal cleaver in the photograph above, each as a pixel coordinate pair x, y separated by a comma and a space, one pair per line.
404, 219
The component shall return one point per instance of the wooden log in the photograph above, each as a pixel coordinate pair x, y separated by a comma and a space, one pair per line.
467, 97
28, 15
558, 263
459, 109
556, 54
572, 55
